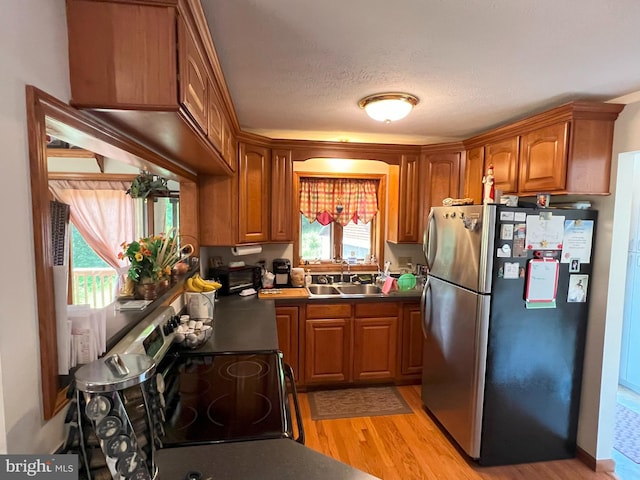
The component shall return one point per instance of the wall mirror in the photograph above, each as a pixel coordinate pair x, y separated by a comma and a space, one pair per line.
94, 142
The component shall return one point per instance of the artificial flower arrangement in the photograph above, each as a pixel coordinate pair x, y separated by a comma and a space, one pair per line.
151, 258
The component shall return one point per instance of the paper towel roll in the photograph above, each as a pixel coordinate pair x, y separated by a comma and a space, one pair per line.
246, 250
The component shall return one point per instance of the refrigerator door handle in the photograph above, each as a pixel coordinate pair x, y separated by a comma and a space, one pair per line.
426, 296
429, 240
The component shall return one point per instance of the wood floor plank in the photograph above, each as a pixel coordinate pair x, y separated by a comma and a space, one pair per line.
412, 447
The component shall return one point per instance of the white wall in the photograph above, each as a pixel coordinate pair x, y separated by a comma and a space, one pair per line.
597, 411
33, 50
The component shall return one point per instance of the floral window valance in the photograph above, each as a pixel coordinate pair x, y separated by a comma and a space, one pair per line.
338, 200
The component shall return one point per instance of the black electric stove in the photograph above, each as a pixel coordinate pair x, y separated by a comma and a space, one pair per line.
227, 397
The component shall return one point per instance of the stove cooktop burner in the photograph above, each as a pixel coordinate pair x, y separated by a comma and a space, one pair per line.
227, 397
185, 419
215, 416
245, 368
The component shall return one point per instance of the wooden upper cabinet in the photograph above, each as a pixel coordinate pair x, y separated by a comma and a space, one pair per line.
503, 155
282, 214
230, 147
218, 210
194, 82
543, 159
565, 150
442, 178
473, 174
107, 45
216, 120
254, 199
403, 220
147, 69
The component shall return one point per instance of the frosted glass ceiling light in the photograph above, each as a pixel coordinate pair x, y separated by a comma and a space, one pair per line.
388, 107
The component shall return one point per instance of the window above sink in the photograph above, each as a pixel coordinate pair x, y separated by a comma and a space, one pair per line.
322, 248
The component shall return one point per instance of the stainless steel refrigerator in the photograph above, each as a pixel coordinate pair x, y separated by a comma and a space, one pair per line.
502, 375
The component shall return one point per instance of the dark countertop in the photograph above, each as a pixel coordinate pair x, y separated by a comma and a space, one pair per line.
280, 459
120, 322
248, 324
242, 324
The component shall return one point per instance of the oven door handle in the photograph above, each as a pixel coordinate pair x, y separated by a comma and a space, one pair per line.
288, 371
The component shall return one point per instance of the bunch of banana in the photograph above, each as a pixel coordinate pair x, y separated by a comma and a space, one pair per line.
199, 284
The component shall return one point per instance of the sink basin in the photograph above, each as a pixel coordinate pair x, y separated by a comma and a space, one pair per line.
323, 290
360, 290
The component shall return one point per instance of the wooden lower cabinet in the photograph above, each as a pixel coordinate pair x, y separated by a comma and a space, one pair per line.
412, 341
350, 343
374, 348
328, 351
327, 343
287, 322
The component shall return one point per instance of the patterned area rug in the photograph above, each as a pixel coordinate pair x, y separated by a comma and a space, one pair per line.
627, 434
357, 402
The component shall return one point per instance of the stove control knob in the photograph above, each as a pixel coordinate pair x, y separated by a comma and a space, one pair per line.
169, 327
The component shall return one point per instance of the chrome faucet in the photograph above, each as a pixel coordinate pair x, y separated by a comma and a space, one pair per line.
342, 264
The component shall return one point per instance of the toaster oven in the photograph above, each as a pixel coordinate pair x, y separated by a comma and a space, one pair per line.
236, 279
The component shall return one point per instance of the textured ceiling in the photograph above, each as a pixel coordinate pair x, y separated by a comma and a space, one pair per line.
297, 68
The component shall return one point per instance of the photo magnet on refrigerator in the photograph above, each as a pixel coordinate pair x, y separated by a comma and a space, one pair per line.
504, 251
506, 231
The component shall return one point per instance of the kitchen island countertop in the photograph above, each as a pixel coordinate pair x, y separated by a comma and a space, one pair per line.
280, 459
242, 324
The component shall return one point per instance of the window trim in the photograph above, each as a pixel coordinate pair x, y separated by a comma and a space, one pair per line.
377, 233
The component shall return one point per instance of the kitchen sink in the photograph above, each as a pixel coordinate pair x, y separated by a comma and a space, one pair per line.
344, 290
324, 290
361, 289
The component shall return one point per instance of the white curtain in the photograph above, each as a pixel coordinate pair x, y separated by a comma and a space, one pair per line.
102, 212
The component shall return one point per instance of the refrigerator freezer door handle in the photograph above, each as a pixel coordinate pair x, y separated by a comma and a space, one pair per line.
429, 241
426, 297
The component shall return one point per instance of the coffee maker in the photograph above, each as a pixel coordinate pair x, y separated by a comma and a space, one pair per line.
282, 271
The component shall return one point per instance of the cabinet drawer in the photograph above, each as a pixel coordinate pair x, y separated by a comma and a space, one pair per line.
382, 309
332, 310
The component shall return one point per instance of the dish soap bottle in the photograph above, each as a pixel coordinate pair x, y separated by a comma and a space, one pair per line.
307, 278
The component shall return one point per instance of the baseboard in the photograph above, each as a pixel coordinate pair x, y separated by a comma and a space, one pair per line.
606, 465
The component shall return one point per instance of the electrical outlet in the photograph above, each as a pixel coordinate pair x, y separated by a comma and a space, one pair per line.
404, 260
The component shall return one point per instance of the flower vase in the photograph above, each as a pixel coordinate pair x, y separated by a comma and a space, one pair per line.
163, 284
148, 291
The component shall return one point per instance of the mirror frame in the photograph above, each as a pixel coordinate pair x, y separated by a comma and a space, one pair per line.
46, 114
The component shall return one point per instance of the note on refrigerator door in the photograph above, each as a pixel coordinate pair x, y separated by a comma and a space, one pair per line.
542, 280
545, 232
578, 237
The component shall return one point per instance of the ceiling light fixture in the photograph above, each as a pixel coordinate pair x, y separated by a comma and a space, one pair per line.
388, 107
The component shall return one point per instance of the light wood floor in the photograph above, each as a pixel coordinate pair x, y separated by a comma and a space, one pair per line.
408, 447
